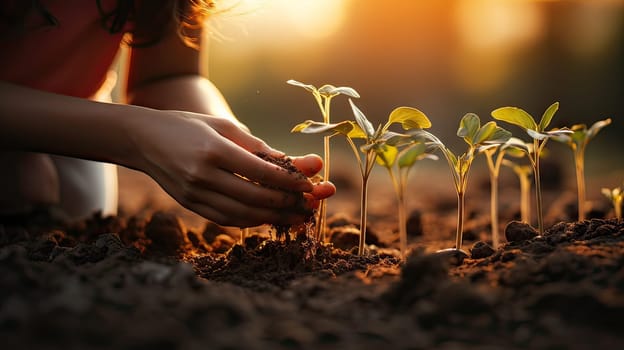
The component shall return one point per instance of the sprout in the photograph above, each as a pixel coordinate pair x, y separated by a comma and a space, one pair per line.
376, 141
323, 97
523, 172
479, 139
578, 140
399, 160
539, 135
616, 196
495, 157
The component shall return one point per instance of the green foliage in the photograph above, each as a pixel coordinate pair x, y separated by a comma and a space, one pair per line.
323, 97
540, 136
479, 139
616, 196
399, 159
376, 144
577, 141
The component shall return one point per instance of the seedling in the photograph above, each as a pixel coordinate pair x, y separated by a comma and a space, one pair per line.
495, 157
540, 136
398, 161
323, 97
578, 140
479, 139
523, 172
616, 196
375, 141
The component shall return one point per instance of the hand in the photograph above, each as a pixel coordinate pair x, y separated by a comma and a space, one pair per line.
207, 164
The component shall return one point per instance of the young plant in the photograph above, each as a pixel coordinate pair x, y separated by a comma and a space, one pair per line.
495, 157
540, 136
578, 140
479, 139
398, 162
524, 173
616, 196
375, 141
323, 97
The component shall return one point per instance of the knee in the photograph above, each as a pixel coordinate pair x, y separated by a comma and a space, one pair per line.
29, 179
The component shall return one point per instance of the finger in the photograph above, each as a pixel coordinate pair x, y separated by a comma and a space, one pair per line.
242, 190
227, 212
309, 164
323, 190
242, 137
239, 161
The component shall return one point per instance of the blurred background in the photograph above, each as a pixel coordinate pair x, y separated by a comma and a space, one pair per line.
444, 57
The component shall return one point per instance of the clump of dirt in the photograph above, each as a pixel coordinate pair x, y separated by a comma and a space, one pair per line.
274, 264
284, 231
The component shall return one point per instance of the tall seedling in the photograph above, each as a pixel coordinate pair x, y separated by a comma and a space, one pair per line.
578, 140
398, 160
479, 138
495, 157
523, 172
540, 136
323, 97
375, 141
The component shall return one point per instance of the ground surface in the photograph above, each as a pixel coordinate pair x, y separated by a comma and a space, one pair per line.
152, 279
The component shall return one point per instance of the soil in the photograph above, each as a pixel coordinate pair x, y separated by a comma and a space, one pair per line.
150, 280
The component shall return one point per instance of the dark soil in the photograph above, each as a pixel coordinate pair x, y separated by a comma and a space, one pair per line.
150, 282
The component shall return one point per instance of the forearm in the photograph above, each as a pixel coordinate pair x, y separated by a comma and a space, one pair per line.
192, 93
33, 120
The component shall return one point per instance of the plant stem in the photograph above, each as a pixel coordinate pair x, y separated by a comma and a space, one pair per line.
579, 164
320, 227
460, 220
525, 188
494, 209
538, 189
363, 208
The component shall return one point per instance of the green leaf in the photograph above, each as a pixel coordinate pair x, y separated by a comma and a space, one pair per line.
499, 135
361, 120
313, 127
345, 90
386, 155
410, 118
485, 132
308, 87
537, 135
515, 116
596, 127
356, 132
468, 127
548, 115
412, 154
395, 139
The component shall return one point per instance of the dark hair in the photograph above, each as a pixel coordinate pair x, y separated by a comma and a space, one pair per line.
149, 19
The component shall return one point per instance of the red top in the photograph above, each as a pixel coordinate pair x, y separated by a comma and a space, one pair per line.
71, 58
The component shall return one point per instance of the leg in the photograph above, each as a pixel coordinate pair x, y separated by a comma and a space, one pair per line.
86, 187
78, 187
27, 180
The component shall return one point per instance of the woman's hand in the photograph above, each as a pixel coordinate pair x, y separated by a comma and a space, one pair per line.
207, 164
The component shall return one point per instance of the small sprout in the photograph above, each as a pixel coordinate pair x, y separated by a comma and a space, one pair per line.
495, 157
399, 159
578, 140
323, 97
375, 142
540, 136
479, 139
616, 196
523, 172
